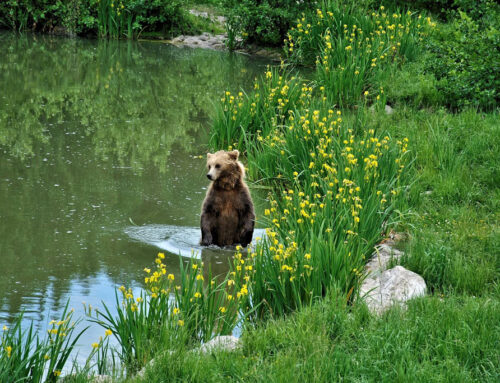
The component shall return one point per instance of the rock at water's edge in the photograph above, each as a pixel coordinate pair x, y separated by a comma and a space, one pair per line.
205, 40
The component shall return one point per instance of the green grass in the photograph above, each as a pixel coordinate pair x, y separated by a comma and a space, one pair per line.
435, 340
456, 242
453, 203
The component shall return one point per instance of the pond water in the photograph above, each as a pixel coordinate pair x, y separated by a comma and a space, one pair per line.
100, 168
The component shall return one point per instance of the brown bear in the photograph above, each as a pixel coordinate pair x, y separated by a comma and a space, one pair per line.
227, 214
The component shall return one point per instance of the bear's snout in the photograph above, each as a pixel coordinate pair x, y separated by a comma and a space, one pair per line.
209, 176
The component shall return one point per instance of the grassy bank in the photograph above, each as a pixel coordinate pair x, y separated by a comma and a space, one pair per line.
433, 341
451, 335
342, 173
447, 203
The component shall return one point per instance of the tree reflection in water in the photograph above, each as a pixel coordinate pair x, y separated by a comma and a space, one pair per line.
93, 135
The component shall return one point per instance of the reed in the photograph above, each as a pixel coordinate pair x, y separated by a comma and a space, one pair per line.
352, 49
114, 19
335, 184
24, 356
242, 116
335, 188
195, 309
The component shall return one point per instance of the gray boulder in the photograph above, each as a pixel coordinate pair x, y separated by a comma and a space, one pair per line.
393, 286
221, 342
205, 40
389, 110
383, 254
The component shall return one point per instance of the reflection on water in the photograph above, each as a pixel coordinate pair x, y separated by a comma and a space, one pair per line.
94, 136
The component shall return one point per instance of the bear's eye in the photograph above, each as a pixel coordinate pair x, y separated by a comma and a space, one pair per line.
209, 166
217, 166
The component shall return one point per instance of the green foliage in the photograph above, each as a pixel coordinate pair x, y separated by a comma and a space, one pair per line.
447, 9
167, 313
434, 340
352, 48
74, 16
262, 22
24, 357
458, 68
110, 18
334, 184
465, 62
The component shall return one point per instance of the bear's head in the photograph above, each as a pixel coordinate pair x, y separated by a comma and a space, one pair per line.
224, 169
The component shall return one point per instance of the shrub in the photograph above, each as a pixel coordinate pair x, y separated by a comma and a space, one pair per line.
264, 22
113, 18
76, 16
164, 16
466, 61
447, 9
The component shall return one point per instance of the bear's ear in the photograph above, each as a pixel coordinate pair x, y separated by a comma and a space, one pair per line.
234, 154
209, 155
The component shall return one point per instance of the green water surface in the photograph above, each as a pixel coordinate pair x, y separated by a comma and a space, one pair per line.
99, 164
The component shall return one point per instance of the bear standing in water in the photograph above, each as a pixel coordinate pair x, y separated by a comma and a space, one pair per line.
227, 214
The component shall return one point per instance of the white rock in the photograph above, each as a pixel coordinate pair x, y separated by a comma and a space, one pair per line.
205, 40
388, 109
393, 286
194, 12
221, 342
383, 254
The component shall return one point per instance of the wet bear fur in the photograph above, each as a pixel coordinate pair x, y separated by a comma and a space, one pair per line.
227, 215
